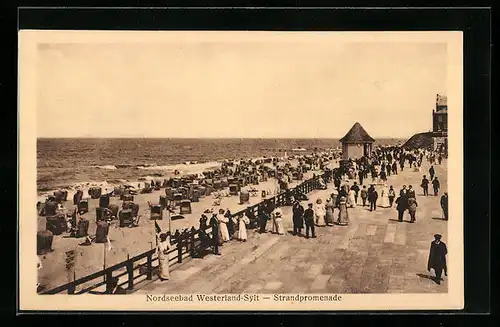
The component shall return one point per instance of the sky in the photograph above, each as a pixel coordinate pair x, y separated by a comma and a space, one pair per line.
259, 88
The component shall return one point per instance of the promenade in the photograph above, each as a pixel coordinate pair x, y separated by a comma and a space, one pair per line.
373, 254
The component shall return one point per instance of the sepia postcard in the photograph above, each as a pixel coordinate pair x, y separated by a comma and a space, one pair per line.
220, 170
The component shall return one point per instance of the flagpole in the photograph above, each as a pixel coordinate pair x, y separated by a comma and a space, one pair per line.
169, 222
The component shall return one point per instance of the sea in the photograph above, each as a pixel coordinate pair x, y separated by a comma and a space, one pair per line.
67, 164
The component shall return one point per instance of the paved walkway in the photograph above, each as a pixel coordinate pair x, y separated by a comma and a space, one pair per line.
374, 254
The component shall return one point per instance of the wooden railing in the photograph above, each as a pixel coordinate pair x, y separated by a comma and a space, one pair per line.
185, 244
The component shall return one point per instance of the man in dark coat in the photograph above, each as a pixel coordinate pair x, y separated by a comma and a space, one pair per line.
437, 258
394, 168
263, 217
336, 182
425, 185
372, 198
230, 223
214, 223
205, 240
435, 185
298, 218
309, 220
432, 172
364, 195
410, 192
402, 191
355, 188
444, 205
401, 206
361, 176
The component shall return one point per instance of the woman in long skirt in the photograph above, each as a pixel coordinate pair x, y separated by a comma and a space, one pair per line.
223, 226
329, 208
320, 213
352, 199
242, 228
343, 219
278, 221
385, 197
162, 250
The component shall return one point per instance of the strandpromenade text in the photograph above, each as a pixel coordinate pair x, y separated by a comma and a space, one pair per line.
299, 298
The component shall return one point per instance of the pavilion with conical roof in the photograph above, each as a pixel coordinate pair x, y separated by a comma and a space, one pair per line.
356, 143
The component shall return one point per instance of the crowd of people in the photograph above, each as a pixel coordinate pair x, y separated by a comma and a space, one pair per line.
350, 190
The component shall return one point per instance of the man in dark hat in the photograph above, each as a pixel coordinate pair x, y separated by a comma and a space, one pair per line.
230, 223
298, 218
205, 240
410, 193
214, 223
355, 188
309, 220
425, 185
361, 175
394, 168
372, 197
437, 258
263, 218
436, 185
431, 172
403, 191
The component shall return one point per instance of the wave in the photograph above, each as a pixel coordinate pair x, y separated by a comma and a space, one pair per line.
110, 167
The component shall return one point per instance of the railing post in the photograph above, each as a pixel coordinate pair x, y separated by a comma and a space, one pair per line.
109, 278
185, 236
179, 248
149, 266
130, 271
193, 231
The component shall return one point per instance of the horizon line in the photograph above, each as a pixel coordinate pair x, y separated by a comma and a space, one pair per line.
215, 138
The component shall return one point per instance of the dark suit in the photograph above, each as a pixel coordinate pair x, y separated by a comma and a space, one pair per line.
401, 206
298, 220
263, 217
431, 173
215, 233
373, 197
425, 186
309, 221
437, 259
436, 185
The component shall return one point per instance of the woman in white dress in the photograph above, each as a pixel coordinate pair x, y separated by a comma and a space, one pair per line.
162, 251
242, 228
278, 221
320, 213
352, 199
384, 203
223, 225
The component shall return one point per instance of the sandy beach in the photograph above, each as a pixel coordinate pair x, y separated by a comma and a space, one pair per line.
128, 242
